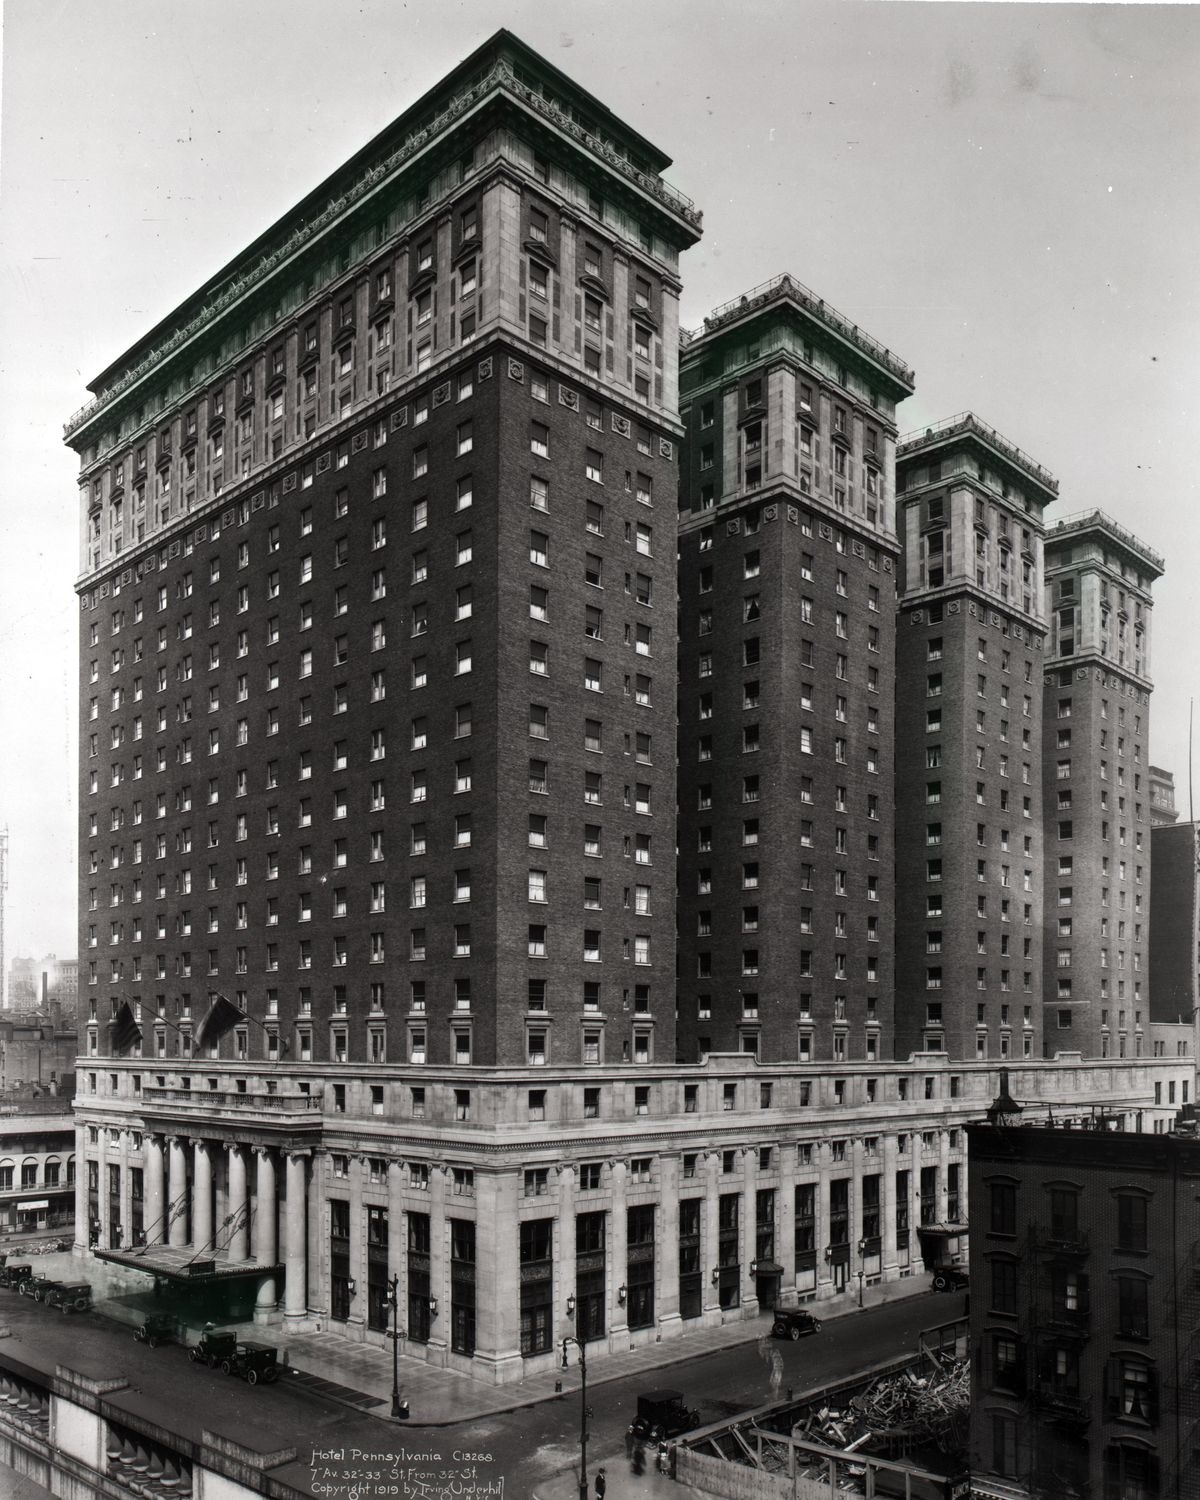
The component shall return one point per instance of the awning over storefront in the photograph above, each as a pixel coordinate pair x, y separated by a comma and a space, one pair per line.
31, 1205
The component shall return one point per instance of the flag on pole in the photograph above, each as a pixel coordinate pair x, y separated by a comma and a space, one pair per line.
124, 1031
223, 1015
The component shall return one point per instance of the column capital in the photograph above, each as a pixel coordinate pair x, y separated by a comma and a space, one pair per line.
296, 1157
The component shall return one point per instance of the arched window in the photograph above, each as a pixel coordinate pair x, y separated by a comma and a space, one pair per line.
29, 1172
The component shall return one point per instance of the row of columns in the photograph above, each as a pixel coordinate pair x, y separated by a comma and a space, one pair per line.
498, 1207
170, 1190
252, 1235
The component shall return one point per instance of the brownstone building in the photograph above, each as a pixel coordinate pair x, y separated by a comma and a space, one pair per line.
786, 682
969, 656
1084, 1310
1096, 774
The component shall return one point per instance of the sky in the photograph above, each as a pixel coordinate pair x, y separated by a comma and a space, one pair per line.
1007, 196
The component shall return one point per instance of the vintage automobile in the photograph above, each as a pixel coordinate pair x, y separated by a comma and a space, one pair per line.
38, 1287
255, 1363
69, 1296
13, 1273
950, 1278
213, 1349
157, 1328
662, 1414
793, 1323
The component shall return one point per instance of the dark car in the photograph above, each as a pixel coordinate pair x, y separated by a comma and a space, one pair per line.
663, 1414
69, 1296
14, 1273
158, 1328
213, 1349
794, 1323
253, 1362
38, 1287
951, 1278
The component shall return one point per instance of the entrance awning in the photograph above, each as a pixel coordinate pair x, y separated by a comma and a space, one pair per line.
181, 1264
768, 1268
32, 1205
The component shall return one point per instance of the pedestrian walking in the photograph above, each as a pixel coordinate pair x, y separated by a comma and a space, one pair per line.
629, 1440
601, 1484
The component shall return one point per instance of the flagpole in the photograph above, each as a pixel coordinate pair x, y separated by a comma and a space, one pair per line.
244, 1015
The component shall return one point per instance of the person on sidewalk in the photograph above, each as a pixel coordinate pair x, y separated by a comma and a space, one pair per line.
601, 1484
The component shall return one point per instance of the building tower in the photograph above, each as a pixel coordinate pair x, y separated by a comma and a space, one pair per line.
378, 639
787, 565
968, 725
1163, 811
1096, 771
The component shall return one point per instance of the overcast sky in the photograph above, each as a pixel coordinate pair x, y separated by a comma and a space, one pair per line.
1008, 196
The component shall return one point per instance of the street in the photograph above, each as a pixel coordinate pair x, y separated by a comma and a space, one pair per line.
524, 1447
536, 1442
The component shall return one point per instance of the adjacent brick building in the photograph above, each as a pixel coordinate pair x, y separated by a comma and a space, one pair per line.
969, 658
1096, 774
1084, 1310
786, 682
1175, 922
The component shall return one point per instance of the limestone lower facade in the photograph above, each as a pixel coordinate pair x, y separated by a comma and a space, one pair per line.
488, 1214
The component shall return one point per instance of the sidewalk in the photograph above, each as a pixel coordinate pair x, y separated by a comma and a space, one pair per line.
443, 1398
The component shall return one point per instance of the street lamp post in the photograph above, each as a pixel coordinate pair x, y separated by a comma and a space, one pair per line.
399, 1410
583, 1411
862, 1252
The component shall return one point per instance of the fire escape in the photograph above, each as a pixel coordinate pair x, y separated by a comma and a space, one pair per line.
1058, 1306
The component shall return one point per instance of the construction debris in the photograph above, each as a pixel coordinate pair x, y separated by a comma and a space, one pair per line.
897, 1413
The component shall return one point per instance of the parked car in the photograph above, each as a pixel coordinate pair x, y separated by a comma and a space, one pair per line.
13, 1273
213, 1348
37, 1287
951, 1278
157, 1328
794, 1323
254, 1363
663, 1414
69, 1296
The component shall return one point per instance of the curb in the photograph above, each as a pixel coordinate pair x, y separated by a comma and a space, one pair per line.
756, 1329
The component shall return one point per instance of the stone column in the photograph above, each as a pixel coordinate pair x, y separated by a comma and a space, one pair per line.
176, 1188
202, 1199
498, 1276
821, 1205
152, 1148
81, 1178
103, 1195
785, 1233
295, 1294
397, 1241
748, 1228
887, 1207
439, 1266
666, 1250
943, 1174
126, 1236
266, 1227
618, 1255
357, 1318
239, 1205
711, 1237
564, 1253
